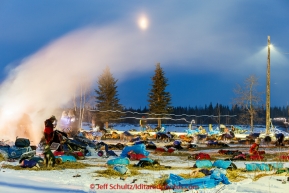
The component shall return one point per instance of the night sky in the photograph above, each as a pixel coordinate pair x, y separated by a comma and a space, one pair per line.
49, 48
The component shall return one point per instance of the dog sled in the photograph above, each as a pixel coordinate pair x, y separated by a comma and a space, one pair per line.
77, 143
19, 150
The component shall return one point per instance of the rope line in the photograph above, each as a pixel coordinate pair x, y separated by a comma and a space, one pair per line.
155, 114
117, 111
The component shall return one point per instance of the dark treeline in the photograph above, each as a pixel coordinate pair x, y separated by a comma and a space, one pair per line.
209, 114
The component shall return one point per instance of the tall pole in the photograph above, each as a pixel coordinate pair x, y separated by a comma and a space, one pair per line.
268, 91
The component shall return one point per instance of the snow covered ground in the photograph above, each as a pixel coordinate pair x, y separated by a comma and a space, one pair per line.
61, 181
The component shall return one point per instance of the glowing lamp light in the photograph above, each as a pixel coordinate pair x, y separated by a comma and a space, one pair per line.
143, 23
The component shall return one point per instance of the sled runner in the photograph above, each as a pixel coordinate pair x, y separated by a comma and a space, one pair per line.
28, 154
54, 146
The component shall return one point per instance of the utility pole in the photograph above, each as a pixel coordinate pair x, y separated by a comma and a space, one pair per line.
268, 91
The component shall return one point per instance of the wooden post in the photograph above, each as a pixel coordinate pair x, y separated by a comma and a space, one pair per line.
268, 91
160, 123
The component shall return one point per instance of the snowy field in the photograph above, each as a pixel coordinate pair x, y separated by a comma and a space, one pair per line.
61, 181
87, 181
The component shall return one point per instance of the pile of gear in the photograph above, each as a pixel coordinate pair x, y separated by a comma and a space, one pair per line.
19, 150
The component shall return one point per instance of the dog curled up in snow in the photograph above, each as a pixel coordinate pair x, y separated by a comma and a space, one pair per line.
115, 135
49, 158
164, 137
280, 139
145, 136
126, 136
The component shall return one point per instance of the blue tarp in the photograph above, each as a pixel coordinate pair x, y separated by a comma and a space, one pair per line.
196, 183
67, 158
120, 168
178, 183
219, 177
118, 161
204, 163
251, 167
174, 179
222, 164
263, 166
277, 165
138, 149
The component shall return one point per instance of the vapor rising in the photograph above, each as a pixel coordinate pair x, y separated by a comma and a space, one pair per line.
51, 77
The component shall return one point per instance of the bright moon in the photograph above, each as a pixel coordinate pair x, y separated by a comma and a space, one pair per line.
143, 23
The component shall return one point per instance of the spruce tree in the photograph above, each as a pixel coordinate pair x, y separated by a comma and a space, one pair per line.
107, 100
159, 100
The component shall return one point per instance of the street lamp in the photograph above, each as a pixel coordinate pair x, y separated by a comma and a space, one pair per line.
268, 91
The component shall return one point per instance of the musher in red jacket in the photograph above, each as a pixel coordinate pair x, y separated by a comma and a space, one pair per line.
50, 124
254, 148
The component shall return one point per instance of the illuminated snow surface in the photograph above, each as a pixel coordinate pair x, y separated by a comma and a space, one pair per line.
63, 181
60, 181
